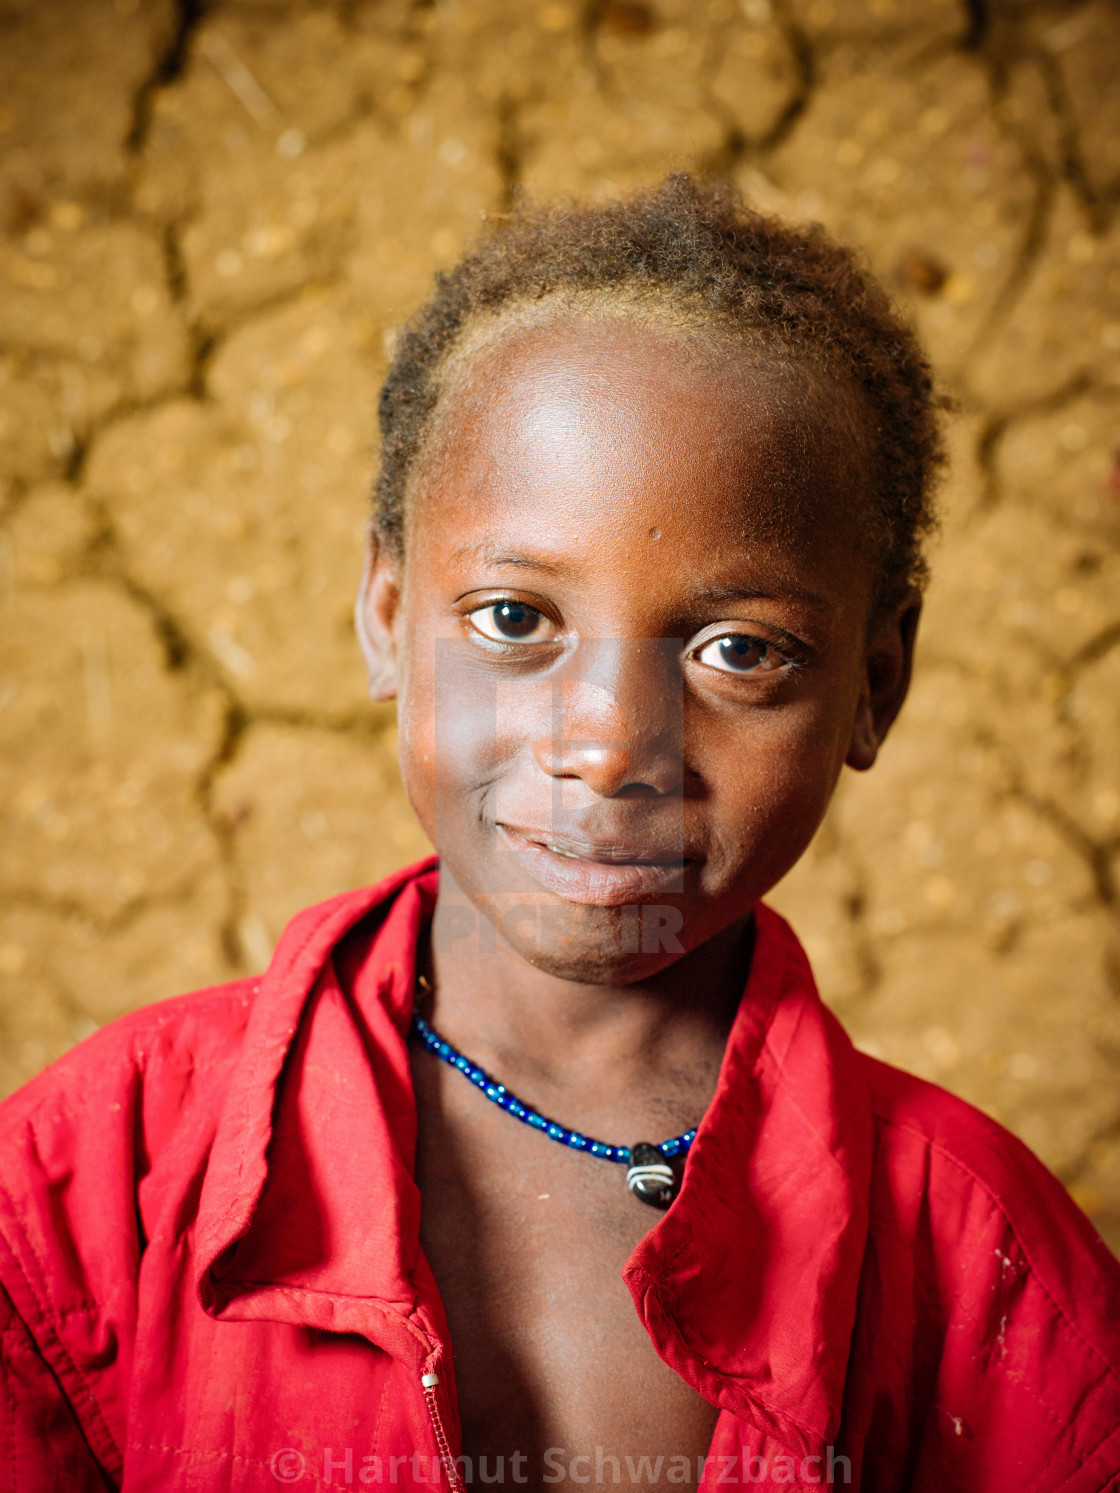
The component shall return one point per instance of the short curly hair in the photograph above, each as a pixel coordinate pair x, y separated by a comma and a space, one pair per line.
698, 251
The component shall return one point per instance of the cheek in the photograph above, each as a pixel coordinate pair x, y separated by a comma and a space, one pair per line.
771, 775
449, 742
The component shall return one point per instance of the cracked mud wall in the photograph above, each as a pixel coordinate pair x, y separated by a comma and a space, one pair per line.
212, 218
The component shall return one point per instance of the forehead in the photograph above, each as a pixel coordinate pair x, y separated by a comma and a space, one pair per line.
614, 424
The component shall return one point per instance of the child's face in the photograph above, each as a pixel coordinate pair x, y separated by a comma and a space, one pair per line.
632, 637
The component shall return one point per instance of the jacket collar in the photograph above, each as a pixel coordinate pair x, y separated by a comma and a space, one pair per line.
747, 1286
308, 1212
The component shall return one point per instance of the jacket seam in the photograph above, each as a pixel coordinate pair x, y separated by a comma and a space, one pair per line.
1110, 1480
236, 1283
382, 1310
1112, 1371
10, 1330
96, 1427
196, 1455
1051, 1412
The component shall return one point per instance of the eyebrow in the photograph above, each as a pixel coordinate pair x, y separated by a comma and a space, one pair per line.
491, 556
757, 593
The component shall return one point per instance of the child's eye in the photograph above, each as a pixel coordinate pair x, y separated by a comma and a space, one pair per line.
511, 622
737, 653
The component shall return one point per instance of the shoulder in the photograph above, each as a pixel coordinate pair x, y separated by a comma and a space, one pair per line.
926, 1138
163, 1052
175, 1054
116, 1122
968, 1226
128, 1115
101, 1154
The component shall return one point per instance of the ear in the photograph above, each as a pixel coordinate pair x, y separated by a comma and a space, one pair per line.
888, 663
375, 617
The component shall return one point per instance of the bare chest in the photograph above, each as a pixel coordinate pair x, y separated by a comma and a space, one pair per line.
556, 1377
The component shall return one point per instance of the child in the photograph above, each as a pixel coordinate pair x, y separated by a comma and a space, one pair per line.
644, 575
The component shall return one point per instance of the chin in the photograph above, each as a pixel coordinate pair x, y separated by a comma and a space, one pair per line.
599, 945
592, 966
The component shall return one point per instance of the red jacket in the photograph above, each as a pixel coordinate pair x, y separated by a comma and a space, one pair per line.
212, 1279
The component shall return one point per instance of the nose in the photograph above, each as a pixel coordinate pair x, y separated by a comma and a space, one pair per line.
616, 720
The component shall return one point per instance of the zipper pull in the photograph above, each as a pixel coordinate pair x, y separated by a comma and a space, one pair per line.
429, 1383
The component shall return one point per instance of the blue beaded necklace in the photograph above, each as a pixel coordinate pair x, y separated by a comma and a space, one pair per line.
648, 1173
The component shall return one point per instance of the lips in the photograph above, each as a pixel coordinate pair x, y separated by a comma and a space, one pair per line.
599, 875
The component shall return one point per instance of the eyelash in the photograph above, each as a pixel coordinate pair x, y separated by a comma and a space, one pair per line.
512, 605
787, 661
786, 665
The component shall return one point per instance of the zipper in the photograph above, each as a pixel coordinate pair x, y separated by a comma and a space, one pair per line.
429, 1383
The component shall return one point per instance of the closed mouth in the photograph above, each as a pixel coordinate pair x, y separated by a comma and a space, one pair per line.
597, 873
601, 853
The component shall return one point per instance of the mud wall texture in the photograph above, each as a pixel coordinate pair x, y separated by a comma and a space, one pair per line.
214, 217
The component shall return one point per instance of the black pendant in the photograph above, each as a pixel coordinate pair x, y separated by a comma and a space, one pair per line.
650, 1177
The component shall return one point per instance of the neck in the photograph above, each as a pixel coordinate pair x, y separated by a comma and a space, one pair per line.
526, 1023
